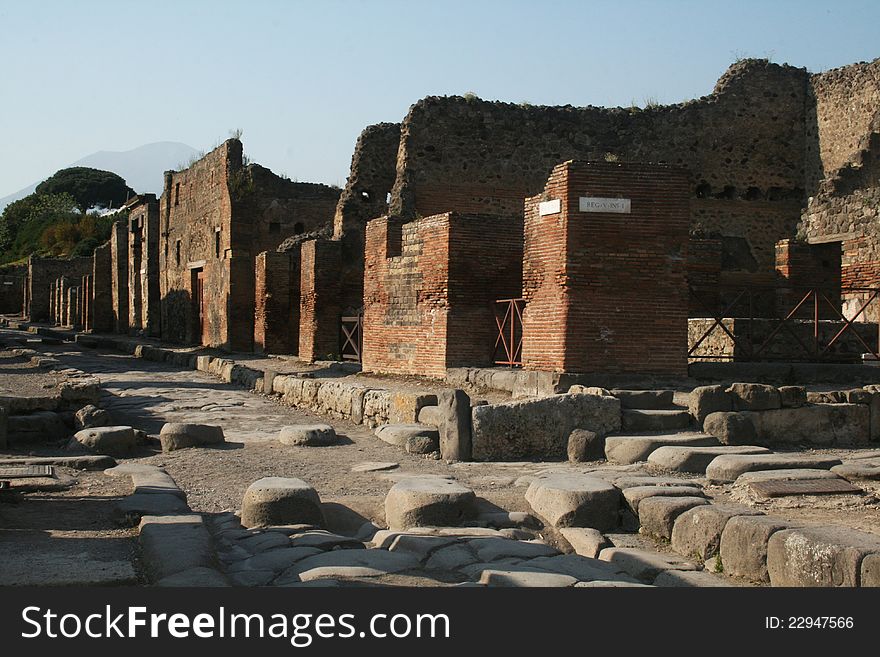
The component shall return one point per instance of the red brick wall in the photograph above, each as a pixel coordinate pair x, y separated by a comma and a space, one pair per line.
319, 300
276, 325
608, 292
430, 287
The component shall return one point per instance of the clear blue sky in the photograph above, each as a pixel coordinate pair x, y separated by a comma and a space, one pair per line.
301, 79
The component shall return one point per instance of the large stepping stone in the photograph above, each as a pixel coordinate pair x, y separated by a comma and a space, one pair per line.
697, 532
861, 470
636, 494
274, 560
728, 467
575, 500
414, 438
657, 514
582, 568
335, 563
655, 420
819, 556
743, 546
524, 577
112, 441
174, 544
585, 541
643, 564
307, 435
634, 448
491, 549
428, 502
280, 501
179, 435
645, 399
697, 459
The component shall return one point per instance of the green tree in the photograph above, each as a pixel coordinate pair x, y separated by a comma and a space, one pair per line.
88, 187
23, 222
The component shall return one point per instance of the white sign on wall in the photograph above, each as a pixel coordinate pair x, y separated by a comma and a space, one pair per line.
550, 207
597, 204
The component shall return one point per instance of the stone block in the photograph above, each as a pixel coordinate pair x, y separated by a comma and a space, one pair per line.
709, 399
428, 501
792, 396
454, 422
697, 532
177, 435
636, 448
728, 467
731, 428
575, 500
819, 556
584, 445
743, 546
754, 397
657, 515
107, 440
280, 501
307, 435
815, 424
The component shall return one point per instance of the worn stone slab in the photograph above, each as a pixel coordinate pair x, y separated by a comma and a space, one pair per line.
681, 578
709, 399
696, 533
509, 519
114, 441
634, 448
381, 561
630, 481
791, 487
157, 482
453, 557
151, 504
584, 445
325, 541
728, 467
743, 546
657, 514
273, 560
84, 462
575, 500
307, 435
643, 564
539, 427
524, 578
492, 549
173, 544
861, 470
754, 397
784, 474
263, 542
696, 459
819, 556
585, 541
374, 466
400, 435
179, 435
645, 399
428, 501
280, 501
819, 425
792, 396
599, 584
636, 494
420, 546
655, 420
196, 577
581, 568
731, 428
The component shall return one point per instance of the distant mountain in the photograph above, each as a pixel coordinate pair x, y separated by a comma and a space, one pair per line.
142, 167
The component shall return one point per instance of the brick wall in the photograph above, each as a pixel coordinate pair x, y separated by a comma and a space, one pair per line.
144, 296
430, 287
276, 314
319, 300
119, 273
608, 292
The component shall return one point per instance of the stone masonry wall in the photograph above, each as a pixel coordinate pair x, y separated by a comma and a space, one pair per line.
42, 272
607, 292
102, 290
276, 314
743, 145
319, 300
12, 285
119, 258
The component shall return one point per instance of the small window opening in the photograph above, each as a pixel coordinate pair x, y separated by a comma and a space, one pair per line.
274, 227
177, 194
704, 190
216, 243
299, 228
177, 253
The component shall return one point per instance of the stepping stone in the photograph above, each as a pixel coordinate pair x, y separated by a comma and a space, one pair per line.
575, 500
428, 501
90, 462
728, 467
655, 420
382, 561
454, 557
643, 564
697, 459
492, 549
585, 541
819, 556
581, 568
792, 474
657, 514
636, 494
116, 440
178, 435
743, 546
155, 482
374, 466
787, 488
420, 546
274, 560
632, 449
645, 399
682, 578
412, 437
280, 501
861, 470
697, 532
526, 578
307, 435
631, 481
